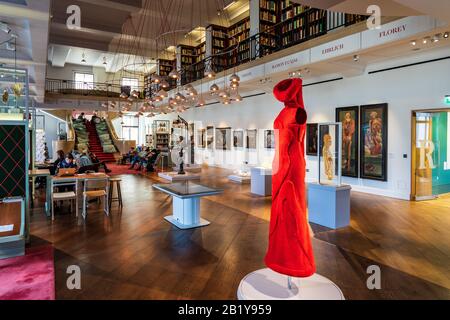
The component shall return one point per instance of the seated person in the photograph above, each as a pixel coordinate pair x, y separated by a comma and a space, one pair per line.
59, 159
143, 158
81, 117
151, 160
97, 163
128, 156
68, 162
86, 163
138, 158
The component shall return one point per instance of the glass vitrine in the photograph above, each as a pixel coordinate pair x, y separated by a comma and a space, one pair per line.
14, 94
329, 149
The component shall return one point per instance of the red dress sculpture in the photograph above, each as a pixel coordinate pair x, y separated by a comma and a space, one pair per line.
290, 251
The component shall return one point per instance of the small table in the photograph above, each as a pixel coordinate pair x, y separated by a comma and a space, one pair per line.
175, 177
186, 203
261, 181
43, 173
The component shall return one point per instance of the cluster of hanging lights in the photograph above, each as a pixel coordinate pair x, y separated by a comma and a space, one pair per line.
230, 93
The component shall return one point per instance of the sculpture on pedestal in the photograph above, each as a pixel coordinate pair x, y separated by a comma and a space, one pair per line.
290, 251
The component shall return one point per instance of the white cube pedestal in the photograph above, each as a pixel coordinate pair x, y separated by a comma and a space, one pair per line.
266, 284
329, 205
174, 176
186, 214
261, 181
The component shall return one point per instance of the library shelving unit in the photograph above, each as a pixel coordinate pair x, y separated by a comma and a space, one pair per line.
187, 56
164, 68
293, 25
199, 66
317, 22
219, 37
162, 133
238, 33
268, 18
148, 86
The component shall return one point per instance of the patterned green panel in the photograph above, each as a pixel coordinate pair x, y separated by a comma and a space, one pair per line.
12, 160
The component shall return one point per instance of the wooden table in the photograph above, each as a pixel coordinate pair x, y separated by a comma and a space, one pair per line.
78, 178
42, 173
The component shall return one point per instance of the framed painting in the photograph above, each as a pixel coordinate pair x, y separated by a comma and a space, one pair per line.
251, 138
311, 139
209, 137
373, 145
201, 136
269, 139
223, 138
349, 117
238, 139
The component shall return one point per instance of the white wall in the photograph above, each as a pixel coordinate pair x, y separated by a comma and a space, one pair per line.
412, 88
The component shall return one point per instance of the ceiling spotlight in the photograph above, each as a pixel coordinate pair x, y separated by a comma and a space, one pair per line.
235, 78
83, 58
210, 74
446, 35
426, 39
104, 61
135, 93
2, 75
436, 38
123, 95
174, 74
356, 58
413, 42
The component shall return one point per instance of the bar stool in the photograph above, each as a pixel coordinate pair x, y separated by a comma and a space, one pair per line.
112, 182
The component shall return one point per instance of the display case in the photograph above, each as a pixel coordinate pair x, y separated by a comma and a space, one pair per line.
14, 94
329, 151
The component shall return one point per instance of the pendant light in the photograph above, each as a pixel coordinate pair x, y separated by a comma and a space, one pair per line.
180, 97
210, 74
104, 61
238, 98
156, 79
163, 94
164, 84
214, 89
201, 102
174, 74
235, 78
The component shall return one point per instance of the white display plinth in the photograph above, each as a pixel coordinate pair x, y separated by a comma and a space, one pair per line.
261, 181
329, 205
174, 176
240, 179
186, 213
266, 284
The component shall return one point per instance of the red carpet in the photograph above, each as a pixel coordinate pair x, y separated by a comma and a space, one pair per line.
30, 277
95, 145
117, 170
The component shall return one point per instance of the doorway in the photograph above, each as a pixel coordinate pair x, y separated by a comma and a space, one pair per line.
430, 170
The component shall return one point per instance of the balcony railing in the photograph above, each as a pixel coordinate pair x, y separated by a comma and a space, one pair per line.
70, 87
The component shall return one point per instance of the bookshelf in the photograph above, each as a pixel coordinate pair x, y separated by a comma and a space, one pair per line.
187, 56
317, 23
268, 18
164, 68
238, 33
219, 42
200, 55
353, 18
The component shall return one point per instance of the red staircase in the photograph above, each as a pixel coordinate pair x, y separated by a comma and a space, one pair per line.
95, 145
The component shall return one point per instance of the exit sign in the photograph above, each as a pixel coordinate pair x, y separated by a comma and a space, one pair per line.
447, 100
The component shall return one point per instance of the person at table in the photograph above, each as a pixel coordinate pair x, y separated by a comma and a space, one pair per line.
85, 163
68, 162
60, 158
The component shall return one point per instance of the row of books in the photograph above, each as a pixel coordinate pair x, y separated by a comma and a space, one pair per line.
268, 5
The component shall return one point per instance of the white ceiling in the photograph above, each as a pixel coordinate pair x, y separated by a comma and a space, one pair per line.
30, 22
